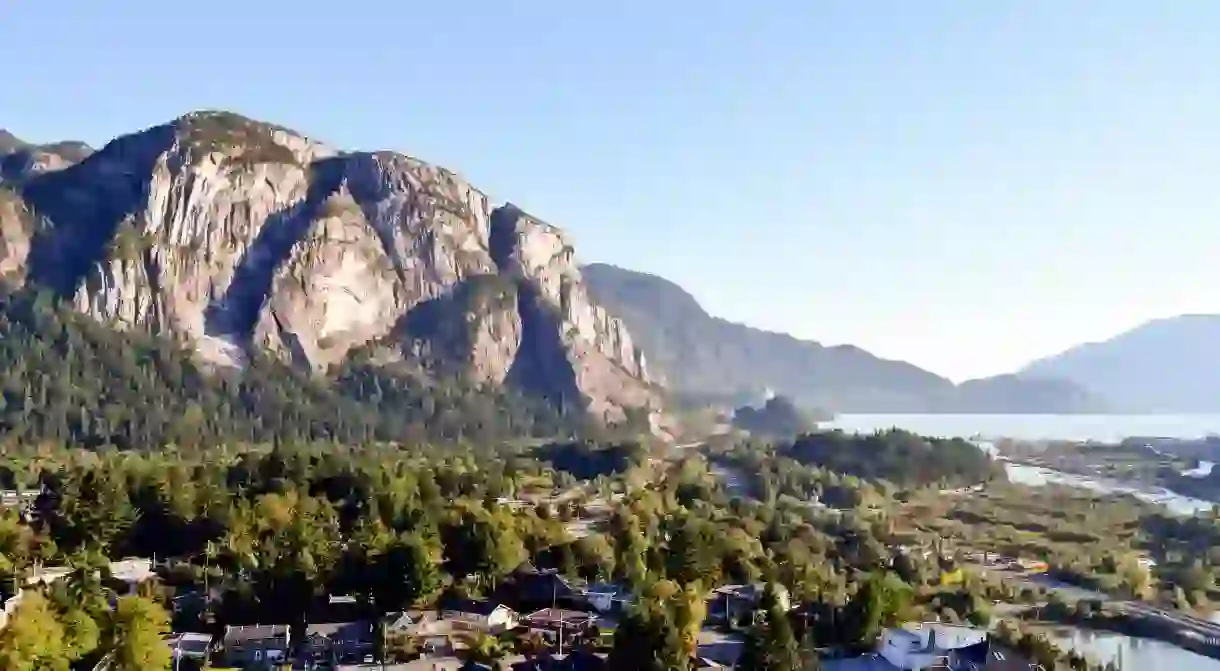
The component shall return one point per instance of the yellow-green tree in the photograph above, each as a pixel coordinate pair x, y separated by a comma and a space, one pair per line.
138, 629
34, 640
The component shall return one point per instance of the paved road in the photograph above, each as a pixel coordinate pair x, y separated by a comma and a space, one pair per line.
1202, 628
1181, 619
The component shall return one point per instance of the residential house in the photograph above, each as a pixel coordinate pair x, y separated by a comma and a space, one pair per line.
528, 587
18, 498
409, 623
127, 574
927, 645
990, 656
45, 575
485, 616
578, 660
560, 626
732, 603
190, 645
607, 597
339, 641
438, 646
10, 607
256, 645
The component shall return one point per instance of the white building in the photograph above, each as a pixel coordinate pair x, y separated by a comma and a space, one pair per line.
486, 616
926, 645
132, 571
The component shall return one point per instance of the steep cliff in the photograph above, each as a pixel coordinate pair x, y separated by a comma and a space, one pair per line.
237, 236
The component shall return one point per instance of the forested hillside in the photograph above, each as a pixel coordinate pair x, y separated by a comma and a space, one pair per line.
66, 378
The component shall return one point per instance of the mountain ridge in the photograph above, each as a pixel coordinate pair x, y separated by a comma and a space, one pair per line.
704, 354
1165, 365
242, 238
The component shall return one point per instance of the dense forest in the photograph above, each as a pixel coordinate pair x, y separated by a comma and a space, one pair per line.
779, 416
268, 534
267, 491
68, 379
898, 456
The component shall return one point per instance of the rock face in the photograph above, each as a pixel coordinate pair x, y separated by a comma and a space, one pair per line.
238, 236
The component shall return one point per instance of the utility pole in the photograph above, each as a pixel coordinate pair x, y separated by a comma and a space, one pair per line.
554, 600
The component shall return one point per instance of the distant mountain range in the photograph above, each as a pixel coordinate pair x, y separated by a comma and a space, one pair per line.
706, 356
242, 240
1167, 365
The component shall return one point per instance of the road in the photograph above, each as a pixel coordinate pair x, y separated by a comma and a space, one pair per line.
1205, 629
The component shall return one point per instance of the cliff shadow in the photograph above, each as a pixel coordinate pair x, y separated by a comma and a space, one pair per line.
236, 312
541, 367
85, 203
433, 330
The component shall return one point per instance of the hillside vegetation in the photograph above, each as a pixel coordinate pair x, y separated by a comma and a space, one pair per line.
66, 378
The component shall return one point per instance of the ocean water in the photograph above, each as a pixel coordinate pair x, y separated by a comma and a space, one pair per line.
1109, 428
1139, 654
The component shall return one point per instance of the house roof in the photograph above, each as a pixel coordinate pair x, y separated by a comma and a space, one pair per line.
576, 661
330, 629
976, 653
559, 617
939, 633
473, 607
406, 618
190, 642
538, 586
132, 570
1001, 658
750, 592
254, 632
607, 588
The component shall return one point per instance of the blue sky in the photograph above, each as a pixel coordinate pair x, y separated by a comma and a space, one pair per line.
966, 186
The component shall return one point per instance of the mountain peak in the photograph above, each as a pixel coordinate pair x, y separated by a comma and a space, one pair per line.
620, 288
1164, 365
19, 159
235, 136
10, 143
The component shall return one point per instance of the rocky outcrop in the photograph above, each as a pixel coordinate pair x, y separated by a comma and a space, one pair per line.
592, 344
16, 228
19, 159
235, 235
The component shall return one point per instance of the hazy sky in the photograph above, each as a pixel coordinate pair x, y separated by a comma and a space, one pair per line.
964, 185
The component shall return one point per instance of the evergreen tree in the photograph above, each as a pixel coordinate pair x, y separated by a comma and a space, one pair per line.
771, 644
408, 575
647, 639
878, 603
